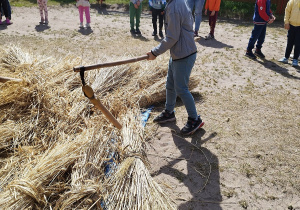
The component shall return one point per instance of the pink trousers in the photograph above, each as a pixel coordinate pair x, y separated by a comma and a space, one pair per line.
87, 14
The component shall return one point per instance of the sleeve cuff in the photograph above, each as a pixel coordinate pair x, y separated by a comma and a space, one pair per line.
153, 53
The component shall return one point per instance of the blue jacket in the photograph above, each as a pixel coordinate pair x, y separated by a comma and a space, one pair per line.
262, 12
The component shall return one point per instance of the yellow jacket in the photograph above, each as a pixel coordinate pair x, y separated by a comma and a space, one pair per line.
292, 13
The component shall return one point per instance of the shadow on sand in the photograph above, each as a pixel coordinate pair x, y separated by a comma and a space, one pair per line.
85, 31
41, 27
214, 43
277, 68
202, 176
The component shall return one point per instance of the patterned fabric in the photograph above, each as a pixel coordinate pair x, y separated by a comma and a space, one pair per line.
43, 9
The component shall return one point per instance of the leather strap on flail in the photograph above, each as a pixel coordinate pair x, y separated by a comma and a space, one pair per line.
82, 69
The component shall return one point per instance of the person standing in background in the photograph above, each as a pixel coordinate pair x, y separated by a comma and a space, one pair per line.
196, 6
292, 24
157, 9
84, 6
213, 7
135, 11
6, 10
262, 16
43, 11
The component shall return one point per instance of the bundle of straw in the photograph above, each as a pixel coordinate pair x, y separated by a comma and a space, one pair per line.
38, 182
132, 186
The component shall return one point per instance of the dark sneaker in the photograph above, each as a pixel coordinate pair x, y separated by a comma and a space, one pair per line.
250, 54
165, 116
258, 53
132, 31
42, 21
154, 33
8, 22
137, 31
161, 34
196, 34
191, 126
209, 36
295, 63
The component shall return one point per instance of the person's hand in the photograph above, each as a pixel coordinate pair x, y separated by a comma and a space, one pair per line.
162, 13
212, 13
151, 56
205, 12
271, 21
136, 6
287, 26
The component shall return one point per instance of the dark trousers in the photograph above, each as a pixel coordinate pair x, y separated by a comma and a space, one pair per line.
212, 22
258, 34
293, 39
155, 13
5, 9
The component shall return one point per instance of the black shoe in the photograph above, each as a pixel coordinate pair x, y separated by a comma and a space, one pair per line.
165, 116
250, 54
132, 31
137, 31
154, 33
209, 36
161, 34
196, 34
191, 126
259, 53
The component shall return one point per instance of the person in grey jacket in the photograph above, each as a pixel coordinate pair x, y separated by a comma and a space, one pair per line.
179, 39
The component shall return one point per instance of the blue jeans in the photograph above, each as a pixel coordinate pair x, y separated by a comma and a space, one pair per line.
198, 4
258, 34
177, 84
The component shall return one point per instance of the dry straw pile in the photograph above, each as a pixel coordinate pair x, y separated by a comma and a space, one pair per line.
56, 148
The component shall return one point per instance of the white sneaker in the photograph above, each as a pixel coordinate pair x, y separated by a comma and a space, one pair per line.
81, 25
87, 25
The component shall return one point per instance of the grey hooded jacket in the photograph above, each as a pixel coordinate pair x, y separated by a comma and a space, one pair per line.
179, 31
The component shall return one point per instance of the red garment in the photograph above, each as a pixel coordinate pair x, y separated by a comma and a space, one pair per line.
213, 5
261, 5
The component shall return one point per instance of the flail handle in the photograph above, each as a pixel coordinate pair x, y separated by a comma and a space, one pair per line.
110, 64
88, 91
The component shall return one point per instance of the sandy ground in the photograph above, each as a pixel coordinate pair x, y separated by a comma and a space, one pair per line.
247, 154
